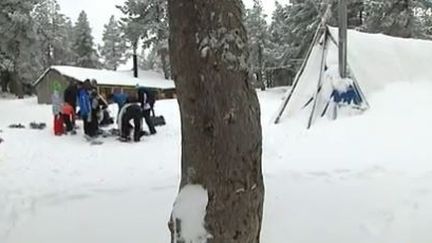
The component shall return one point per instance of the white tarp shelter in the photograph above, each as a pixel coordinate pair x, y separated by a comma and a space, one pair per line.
374, 60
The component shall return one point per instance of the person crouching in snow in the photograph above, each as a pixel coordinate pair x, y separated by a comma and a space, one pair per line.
130, 112
68, 115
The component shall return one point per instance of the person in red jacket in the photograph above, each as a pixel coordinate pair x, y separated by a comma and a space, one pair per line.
68, 115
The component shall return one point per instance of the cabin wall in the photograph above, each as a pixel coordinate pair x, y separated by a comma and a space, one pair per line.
45, 87
132, 92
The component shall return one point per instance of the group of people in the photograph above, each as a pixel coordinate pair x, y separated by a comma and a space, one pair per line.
134, 109
82, 100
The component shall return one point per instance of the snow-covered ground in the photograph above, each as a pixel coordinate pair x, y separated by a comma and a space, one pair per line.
362, 179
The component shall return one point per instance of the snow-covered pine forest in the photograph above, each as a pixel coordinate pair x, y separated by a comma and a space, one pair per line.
220, 170
36, 35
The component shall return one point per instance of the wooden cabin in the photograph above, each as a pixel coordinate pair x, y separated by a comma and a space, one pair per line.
108, 82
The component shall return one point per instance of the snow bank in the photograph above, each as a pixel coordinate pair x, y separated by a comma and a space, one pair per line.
377, 59
190, 210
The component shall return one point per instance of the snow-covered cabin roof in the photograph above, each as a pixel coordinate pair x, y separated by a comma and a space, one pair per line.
116, 78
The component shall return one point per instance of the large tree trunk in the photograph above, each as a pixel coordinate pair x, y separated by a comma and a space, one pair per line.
220, 115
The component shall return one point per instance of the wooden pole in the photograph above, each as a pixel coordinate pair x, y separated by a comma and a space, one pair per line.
321, 76
343, 39
317, 35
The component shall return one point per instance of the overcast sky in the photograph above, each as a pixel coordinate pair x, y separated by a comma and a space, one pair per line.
99, 11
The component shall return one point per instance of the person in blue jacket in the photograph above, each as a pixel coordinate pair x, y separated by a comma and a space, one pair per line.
85, 107
119, 98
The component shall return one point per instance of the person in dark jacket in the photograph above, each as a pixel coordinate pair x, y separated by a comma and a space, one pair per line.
146, 103
98, 105
130, 112
70, 96
95, 108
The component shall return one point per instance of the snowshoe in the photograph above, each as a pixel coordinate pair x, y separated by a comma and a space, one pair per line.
18, 126
114, 132
124, 140
37, 126
96, 142
73, 132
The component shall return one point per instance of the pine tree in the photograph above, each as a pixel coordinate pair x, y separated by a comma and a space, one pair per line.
148, 61
397, 18
157, 29
256, 26
52, 28
19, 61
291, 31
65, 54
280, 37
83, 47
148, 21
136, 16
114, 47
425, 19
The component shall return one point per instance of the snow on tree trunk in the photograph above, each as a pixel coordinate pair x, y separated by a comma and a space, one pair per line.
189, 214
220, 115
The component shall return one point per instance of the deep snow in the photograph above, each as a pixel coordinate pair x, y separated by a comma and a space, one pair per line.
361, 179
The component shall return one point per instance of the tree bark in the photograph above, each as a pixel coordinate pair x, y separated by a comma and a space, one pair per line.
220, 115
